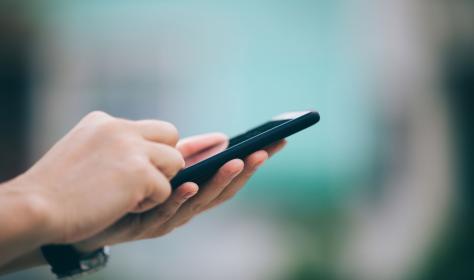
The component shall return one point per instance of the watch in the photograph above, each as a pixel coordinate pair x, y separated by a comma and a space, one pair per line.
68, 263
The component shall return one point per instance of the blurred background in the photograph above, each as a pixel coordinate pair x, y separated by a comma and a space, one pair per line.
380, 189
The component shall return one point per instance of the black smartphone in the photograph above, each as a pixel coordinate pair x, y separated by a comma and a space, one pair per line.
247, 143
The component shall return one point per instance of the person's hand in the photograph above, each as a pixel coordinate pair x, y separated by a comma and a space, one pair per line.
184, 204
102, 170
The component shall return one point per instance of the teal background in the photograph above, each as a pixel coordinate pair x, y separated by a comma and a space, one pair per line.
348, 198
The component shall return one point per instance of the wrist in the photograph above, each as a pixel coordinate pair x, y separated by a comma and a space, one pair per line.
36, 209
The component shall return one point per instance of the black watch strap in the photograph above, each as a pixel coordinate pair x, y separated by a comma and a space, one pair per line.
66, 261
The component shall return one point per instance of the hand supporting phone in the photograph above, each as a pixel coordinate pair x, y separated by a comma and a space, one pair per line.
247, 143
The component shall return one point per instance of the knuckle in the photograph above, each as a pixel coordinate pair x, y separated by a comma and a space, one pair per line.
140, 163
171, 131
104, 129
164, 192
178, 160
98, 113
174, 162
95, 116
125, 145
110, 127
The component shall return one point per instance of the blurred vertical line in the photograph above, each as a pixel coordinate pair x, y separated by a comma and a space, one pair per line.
455, 260
15, 35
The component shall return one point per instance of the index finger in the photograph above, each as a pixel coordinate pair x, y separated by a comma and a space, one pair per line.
195, 144
157, 131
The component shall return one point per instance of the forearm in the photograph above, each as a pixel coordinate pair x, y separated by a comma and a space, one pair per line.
23, 220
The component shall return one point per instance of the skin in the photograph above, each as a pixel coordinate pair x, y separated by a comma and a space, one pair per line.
186, 202
132, 162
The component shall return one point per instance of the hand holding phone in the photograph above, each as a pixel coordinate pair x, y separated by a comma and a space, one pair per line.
244, 144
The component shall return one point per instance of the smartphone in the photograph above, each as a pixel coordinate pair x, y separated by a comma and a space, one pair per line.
247, 143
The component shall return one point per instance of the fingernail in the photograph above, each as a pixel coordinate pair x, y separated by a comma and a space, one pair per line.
188, 195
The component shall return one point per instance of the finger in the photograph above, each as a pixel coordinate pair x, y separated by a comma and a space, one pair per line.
182, 222
216, 185
195, 144
224, 176
159, 189
200, 156
167, 159
276, 147
252, 163
155, 218
157, 131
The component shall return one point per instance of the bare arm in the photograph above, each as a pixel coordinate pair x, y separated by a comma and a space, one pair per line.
107, 167
24, 224
176, 210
